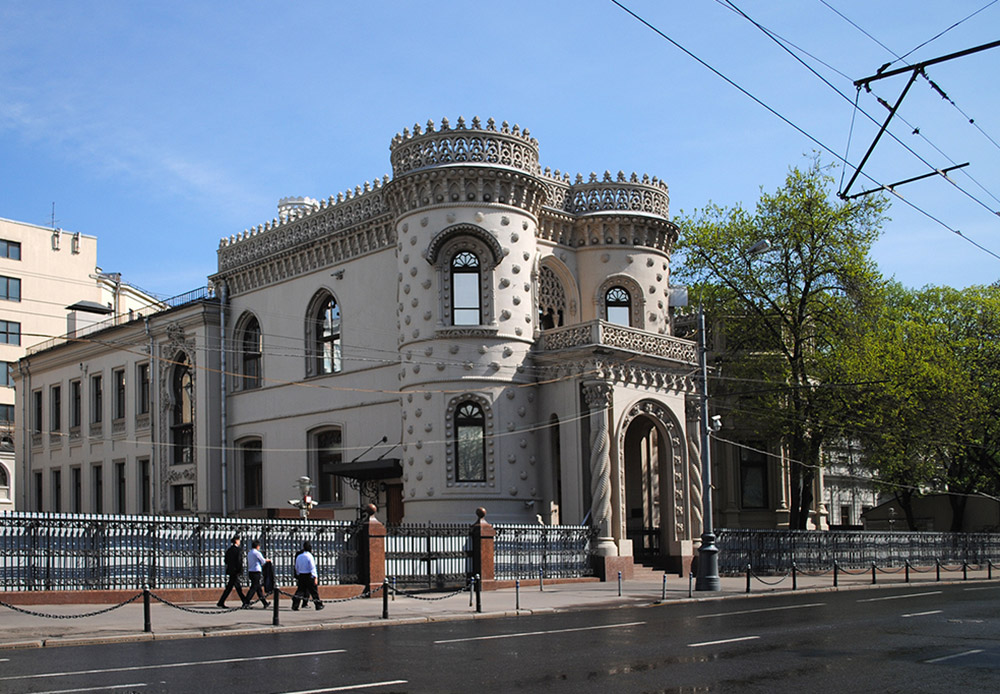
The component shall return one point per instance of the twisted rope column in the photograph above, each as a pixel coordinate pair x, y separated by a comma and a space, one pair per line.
598, 398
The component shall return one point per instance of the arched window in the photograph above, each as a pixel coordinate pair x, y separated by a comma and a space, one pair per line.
252, 454
182, 417
323, 334
251, 349
327, 451
4, 483
551, 299
618, 305
465, 289
470, 443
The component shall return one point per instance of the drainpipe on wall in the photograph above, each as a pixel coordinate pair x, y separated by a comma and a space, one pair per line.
25, 434
223, 297
153, 482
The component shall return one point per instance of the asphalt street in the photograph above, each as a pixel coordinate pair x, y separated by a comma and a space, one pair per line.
909, 638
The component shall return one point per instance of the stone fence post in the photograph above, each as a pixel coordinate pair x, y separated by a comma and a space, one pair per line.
483, 535
371, 551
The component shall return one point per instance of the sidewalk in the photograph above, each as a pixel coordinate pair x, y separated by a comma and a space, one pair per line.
60, 627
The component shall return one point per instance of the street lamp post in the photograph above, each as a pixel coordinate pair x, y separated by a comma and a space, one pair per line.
708, 553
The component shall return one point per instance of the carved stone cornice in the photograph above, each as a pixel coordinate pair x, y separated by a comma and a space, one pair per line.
463, 185
614, 230
621, 373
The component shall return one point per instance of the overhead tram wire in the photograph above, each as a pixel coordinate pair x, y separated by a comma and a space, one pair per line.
798, 129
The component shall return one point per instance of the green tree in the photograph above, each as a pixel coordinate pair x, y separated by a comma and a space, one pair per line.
789, 311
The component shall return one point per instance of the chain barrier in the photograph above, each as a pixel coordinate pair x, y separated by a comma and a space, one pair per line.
194, 610
71, 616
814, 574
897, 570
914, 569
770, 583
944, 567
859, 572
359, 596
397, 591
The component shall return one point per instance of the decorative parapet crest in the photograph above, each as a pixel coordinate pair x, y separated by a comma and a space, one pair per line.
609, 335
630, 194
504, 146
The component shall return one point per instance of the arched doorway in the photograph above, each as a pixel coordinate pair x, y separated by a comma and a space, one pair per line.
645, 460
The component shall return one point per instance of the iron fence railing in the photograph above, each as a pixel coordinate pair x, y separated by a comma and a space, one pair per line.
428, 555
558, 551
813, 550
44, 551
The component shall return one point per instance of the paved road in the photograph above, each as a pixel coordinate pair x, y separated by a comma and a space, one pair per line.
917, 638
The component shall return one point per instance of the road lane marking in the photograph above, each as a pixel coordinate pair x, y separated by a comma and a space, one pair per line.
719, 643
982, 588
923, 614
169, 665
349, 687
540, 633
900, 597
954, 655
100, 688
762, 609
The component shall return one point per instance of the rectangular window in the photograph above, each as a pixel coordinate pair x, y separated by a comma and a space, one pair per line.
57, 491
98, 489
75, 404
10, 288
7, 414
96, 399
10, 332
76, 479
10, 249
145, 486
38, 492
55, 402
328, 456
142, 389
7, 373
753, 477
118, 378
253, 474
36, 411
183, 497
120, 495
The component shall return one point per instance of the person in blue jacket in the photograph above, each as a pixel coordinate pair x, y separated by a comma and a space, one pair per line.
255, 569
305, 578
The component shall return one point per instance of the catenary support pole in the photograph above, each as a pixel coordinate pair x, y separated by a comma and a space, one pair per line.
708, 553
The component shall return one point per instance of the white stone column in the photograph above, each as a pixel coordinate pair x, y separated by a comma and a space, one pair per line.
598, 397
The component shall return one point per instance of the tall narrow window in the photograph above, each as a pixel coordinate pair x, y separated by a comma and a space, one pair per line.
7, 373
96, 399
329, 455
57, 491
38, 491
619, 306
98, 489
250, 346
253, 474
55, 402
324, 333
142, 389
76, 479
753, 477
120, 493
470, 439
118, 377
4, 484
465, 290
182, 418
36, 411
75, 404
145, 486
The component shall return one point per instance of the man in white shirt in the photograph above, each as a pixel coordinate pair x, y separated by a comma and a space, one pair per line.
255, 569
305, 578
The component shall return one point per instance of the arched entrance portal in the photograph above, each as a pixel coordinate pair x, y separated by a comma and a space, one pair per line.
644, 466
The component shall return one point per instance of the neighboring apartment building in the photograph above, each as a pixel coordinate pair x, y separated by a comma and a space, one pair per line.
473, 331
50, 285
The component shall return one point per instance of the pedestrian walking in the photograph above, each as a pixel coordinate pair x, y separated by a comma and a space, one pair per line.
255, 570
234, 570
305, 578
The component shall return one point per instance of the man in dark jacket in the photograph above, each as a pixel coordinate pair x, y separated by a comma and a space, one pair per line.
234, 570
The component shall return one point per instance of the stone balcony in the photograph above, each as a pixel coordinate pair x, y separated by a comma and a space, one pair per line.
600, 334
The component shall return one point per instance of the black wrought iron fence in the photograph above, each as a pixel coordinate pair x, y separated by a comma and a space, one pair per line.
558, 551
44, 551
810, 550
431, 556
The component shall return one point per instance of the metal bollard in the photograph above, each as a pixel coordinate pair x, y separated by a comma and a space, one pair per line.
965, 570
873, 573
147, 622
795, 577
479, 594
394, 589
663, 594
836, 571
275, 620
748, 579
541, 580
989, 569
619, 584
472, 588
690, 583
937, 566
385, 598
517, 594
907, 570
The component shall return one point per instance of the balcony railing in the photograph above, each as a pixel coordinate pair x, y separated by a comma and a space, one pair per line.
606, 334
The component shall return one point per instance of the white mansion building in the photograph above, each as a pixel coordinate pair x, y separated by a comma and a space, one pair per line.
473, 331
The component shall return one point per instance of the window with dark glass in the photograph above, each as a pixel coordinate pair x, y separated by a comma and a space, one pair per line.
76, 479
10, 332
118, 377
57, 491
38, 491
6, 413
253, 474
326, 348
36, 411
10, 249
98, 489
75, 404
120, 495
182, 417
55, 402
753, 478
10, 288
465, 290
329, 455
7, 373
96, 399
142, 389
618, 305
251, 350
470, 443
183, 497
145, 486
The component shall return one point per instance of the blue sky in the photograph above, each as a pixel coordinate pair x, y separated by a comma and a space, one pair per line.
162, 127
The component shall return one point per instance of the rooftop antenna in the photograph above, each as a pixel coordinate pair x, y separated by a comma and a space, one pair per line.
52, 219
